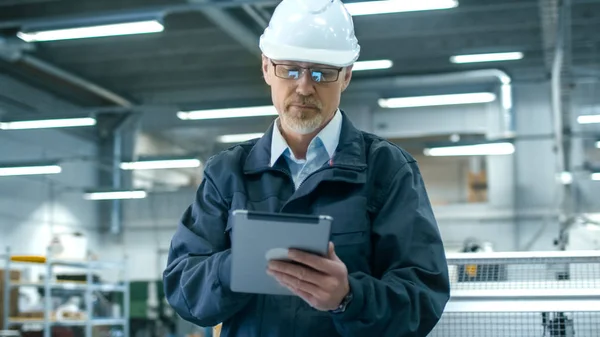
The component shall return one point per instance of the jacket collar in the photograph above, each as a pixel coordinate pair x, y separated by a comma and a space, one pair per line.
329, 137
349, 153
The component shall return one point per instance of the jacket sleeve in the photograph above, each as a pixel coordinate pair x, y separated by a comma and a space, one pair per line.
409, 286
197, 276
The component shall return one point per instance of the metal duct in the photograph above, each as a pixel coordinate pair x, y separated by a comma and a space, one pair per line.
75, 80
447, 79
13, 53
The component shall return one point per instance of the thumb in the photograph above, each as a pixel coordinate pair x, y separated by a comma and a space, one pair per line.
332, 254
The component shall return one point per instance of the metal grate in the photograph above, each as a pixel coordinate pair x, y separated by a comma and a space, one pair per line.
541, 294
531, 324
525, 271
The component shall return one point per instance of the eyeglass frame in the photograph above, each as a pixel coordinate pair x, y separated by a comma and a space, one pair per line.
304, 69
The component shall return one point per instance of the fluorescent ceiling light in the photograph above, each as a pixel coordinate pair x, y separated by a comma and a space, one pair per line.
239, 138
397, 6
596, 176
255, 111
420, 101
142, 27
372, 65
565, 178
161, 164
588, 119
29, 170
491, 149
496, 57
48, 123
115, 195
598, 144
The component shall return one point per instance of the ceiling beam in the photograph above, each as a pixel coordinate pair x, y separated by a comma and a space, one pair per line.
13, 53
232, 26
140, 12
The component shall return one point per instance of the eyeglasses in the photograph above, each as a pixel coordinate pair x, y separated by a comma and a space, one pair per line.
318, 75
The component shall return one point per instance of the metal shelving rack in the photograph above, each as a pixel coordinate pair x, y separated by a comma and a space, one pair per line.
89, 287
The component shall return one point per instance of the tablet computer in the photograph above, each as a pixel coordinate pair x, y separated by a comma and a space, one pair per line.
259, 237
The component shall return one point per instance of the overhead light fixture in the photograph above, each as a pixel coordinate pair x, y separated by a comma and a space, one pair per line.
596, 176
129, 28
161, 164
588, 119
397, 6
598, 144
48, 123
115, 195
239, 138
565, 178
372, 65
29, 170
488, 149
255, 111
495, 57
422, 101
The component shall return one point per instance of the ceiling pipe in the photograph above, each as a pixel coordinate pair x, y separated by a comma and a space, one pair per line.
148, 11
76, 80
256, 16
230, 25
47, 68
448, 79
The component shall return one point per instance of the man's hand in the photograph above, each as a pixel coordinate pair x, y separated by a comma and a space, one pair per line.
321, 281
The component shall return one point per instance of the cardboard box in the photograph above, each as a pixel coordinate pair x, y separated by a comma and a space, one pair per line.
15, 276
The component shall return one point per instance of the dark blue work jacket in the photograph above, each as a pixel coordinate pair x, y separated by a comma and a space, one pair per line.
384, 230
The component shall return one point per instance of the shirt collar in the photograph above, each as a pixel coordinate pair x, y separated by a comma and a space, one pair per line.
329, 136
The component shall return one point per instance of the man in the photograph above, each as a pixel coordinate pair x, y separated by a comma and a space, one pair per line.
385, 274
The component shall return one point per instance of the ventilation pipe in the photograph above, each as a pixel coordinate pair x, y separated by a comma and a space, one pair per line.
450, 79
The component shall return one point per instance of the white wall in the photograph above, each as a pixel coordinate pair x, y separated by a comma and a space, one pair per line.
148, 225
33, 207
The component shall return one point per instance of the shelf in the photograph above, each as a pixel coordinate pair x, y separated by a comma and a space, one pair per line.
74, 286
76, 264
68, 322
47, 317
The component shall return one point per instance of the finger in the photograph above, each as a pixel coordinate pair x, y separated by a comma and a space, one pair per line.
300, 272
314, 261
309, 298
298, 284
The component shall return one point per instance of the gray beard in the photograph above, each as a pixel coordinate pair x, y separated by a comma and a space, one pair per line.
302, 126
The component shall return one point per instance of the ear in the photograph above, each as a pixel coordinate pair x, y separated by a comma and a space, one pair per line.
265, 69
347, 77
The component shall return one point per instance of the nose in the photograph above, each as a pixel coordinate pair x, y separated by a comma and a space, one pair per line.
305, 85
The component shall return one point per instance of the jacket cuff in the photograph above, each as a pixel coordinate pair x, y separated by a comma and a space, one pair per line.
225, 272
356, 305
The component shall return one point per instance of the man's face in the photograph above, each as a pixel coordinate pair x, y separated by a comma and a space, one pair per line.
305, 99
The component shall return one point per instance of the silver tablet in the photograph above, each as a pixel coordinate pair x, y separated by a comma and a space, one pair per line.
259, 237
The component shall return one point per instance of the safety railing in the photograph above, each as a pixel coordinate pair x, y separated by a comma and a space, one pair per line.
523, 294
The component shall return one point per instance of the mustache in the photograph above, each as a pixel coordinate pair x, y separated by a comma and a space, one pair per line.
304, 100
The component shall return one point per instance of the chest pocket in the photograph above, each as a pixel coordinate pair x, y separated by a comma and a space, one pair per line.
351, 225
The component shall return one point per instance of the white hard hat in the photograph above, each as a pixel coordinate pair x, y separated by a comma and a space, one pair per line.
315, 31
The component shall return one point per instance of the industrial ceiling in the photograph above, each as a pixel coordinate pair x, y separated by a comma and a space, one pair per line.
208, 57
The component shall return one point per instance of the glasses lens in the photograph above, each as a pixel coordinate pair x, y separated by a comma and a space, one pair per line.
324, 75
287, 72
317, 75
